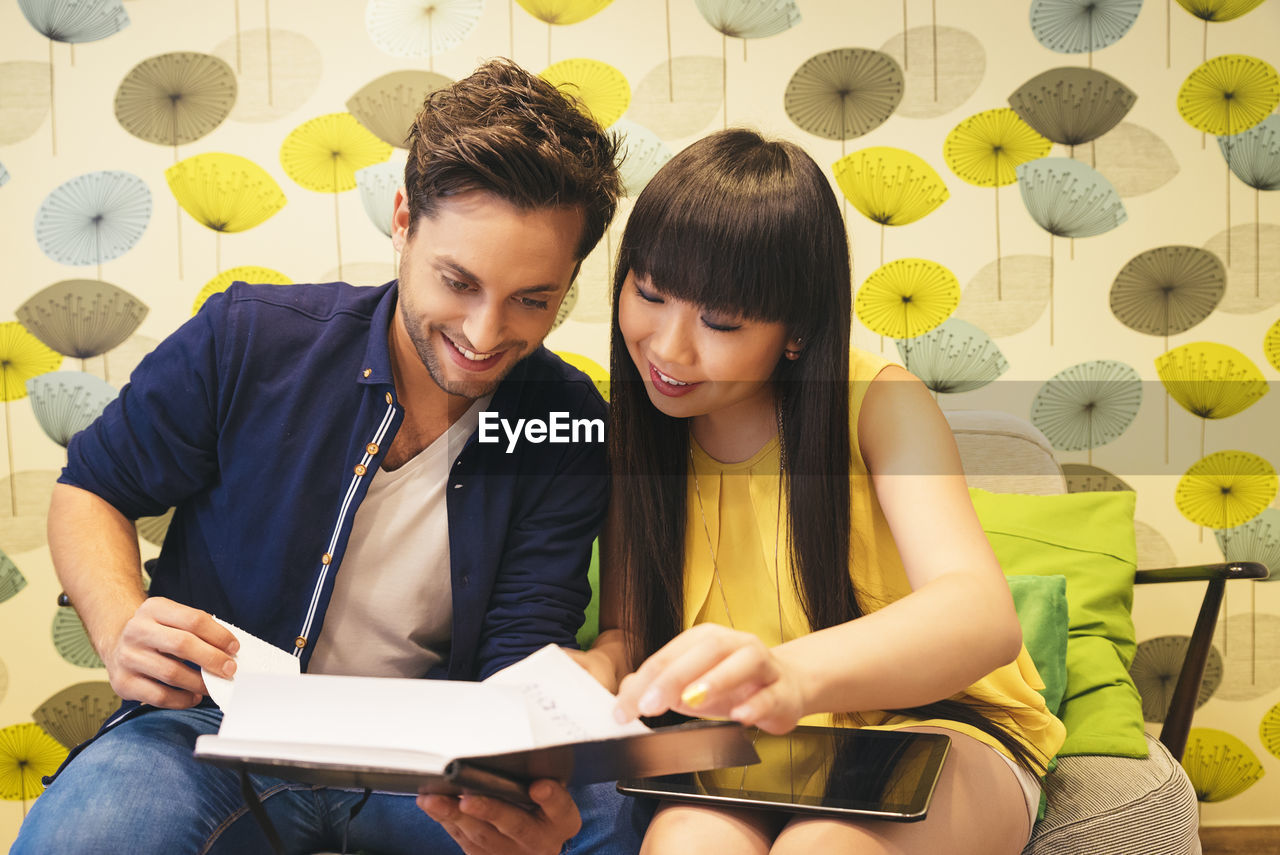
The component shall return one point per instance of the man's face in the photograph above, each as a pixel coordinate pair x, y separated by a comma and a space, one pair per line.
480, 283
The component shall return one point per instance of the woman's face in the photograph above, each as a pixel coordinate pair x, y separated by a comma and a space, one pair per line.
695, 362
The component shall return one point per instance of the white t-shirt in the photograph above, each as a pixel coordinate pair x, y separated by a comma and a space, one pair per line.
391, 614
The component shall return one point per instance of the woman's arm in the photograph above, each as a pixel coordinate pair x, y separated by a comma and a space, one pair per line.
957, 625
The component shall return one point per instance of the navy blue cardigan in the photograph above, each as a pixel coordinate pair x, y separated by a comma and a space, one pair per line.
263, 419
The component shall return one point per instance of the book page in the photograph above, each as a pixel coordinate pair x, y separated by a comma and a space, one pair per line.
566, 704
255, 656
440, 717
546, 699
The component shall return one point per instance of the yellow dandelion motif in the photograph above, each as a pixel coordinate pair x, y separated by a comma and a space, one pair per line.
224, 192
1226, 489
562, 12
1211, 380
601, 90
1219, 10
1269, 730
324, 153
907, 298
1225, 96
889, 186
27, 754
1219, 765
1229, 94
1271, 345
22, 356
986, 148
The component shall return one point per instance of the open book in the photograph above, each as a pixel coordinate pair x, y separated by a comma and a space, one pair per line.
544, 717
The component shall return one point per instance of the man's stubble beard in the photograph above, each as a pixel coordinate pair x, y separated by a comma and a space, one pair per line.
431, 359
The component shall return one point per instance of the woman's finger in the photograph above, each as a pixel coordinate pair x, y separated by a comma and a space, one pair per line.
775, 708
656, 686
729, 682
662, 680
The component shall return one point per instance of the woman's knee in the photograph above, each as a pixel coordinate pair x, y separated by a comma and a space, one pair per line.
678, 828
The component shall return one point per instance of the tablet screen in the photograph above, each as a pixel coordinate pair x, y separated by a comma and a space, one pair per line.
826, 770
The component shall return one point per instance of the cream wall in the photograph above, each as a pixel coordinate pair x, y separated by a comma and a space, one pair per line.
631, 35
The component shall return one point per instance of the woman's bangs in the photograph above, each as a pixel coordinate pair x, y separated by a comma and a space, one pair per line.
731, 259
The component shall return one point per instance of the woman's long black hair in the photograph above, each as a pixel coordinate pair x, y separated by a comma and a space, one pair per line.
749, 227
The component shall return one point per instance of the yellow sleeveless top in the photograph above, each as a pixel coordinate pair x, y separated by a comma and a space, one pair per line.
742, 514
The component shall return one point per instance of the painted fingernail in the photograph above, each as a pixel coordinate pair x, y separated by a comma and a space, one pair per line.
650, 703
695, 695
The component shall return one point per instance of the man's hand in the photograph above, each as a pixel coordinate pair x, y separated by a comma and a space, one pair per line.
489, 826
147, 661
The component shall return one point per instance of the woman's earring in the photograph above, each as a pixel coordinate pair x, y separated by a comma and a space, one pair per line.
793, 353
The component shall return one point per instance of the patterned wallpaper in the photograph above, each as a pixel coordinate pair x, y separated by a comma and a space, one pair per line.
1057, 208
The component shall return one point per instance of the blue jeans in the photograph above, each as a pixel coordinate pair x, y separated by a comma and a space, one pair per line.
137, 789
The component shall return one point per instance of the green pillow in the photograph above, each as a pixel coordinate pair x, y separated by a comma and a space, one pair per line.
1089, 539
1041, 603
591, 626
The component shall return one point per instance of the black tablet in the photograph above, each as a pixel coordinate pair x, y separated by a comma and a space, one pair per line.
836, 771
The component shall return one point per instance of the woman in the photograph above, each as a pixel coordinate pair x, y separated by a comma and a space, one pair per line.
791, 539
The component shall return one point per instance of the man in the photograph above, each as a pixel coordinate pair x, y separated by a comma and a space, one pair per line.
319, 445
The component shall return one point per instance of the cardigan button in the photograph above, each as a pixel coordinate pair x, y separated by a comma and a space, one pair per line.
388, 397
300, 642
360, 469
326, 558
371, 449
368, 371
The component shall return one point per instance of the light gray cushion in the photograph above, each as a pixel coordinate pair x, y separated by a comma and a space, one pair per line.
1118, 806
1004, 454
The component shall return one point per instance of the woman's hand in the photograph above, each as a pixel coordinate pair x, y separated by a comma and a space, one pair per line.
714, 671
598, 665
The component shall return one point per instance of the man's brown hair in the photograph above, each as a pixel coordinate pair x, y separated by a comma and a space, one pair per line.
515, 135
